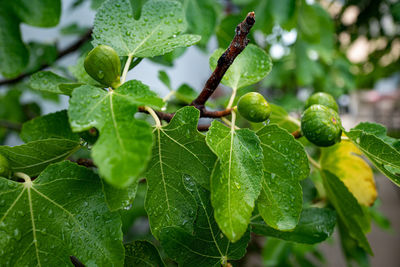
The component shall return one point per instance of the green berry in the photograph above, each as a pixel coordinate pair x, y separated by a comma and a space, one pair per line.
253, 107
103, 65
5, 170
321, 125
322, 99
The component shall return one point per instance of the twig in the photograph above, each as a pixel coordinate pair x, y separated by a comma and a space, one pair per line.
237, 45
161, 115
76, 262
205, 114
10, 125
85, 162
72, 48
297, 134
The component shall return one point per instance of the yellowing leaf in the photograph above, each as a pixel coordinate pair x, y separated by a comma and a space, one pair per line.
344, 160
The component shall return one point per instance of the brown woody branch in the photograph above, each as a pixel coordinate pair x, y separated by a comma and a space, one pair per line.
237, 45
10, 125
297, 134
204, 114
62, 53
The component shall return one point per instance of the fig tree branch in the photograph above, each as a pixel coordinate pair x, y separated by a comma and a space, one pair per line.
297, 134
10, 125
237, 45
62, 53
205, 114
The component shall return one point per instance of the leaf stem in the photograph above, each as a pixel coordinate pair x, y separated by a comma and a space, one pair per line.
232, 98
233, 120
126, 68
169, 95
154, 115
10, 125
22, 175
314, 163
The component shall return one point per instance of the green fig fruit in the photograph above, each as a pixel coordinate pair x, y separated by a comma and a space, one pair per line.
322, 99
103, 65
321, 125
253, 107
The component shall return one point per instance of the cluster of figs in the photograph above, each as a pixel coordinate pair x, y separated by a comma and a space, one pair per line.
320, 121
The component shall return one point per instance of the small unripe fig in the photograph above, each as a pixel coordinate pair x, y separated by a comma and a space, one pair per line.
5, 170
322, 99
103, 65
321, 125
253, 107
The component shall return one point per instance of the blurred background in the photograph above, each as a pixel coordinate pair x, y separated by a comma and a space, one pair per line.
348, 48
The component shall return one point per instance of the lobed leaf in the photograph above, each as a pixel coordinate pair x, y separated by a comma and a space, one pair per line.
206, 245
33, 157
142, 253
47, 81
377, 148
344, 161
179, 150
348, 209
59, 214
124, 146
236, 178
156, 32
285, 164
53, 125
283, 155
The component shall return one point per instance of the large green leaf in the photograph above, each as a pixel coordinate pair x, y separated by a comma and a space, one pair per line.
123, 148
59, 214
41, 13
202, 18
34, 157
179, 150
348, 209
47, 81
142, 253
119, 198
14, 55
54, 125
283, 155
378, 130
280, 201
206, 245
236, 178
357, 176
315, 226
373, 143
249, 67
156, 32
286, 163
